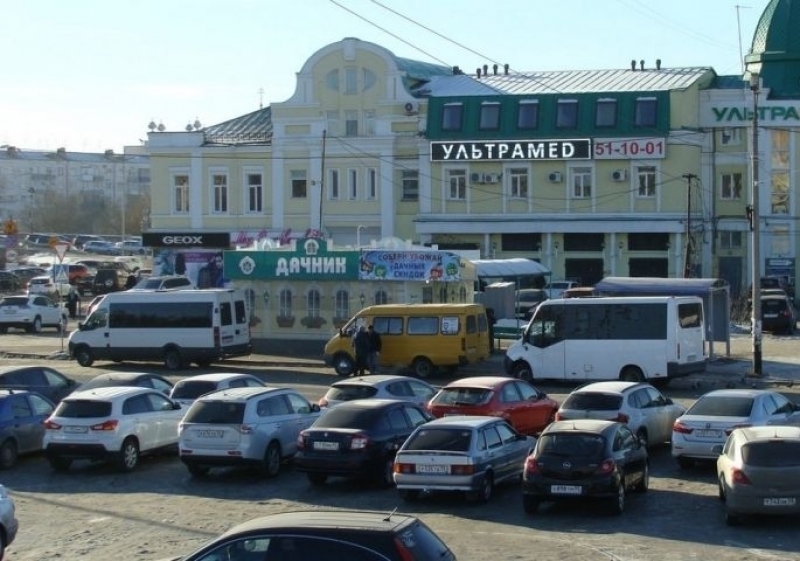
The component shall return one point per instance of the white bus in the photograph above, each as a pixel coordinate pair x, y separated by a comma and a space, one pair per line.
178, 327
643, 338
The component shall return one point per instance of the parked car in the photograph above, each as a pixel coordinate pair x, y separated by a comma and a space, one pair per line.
526, 300
80, 240
25, 274
9, 282
357, 439
46, 286
556, 288
758, 472
118, 424
31, 313
129, 247
701, 432
526, 408
21, 430
100, 247
466, 453
383, 386
9, 525
109, 280
246, 426
646, 411
327, 534
135, 379
170, 282
585, 459
778, 314
74, 272
43, 380
187, 390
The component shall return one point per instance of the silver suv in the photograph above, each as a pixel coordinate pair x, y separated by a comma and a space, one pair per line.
255, 427
173, 282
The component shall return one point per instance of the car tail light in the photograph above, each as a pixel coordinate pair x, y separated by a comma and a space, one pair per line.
559, 416
607, 466
246, 429
51, 425
532, 466
622, 418
106, 425
739, 477
462, 469
359, 442
742, 426
402, 550
403, 468
681, 428
301, 441
323, 402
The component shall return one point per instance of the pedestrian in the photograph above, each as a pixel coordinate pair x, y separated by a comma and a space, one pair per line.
361, 345
374, 357
72, 302
491, 320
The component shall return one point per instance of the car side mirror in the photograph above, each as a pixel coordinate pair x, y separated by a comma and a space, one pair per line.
176, 405
668, 401
315, 408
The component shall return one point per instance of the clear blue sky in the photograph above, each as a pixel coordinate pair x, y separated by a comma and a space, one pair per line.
91, 74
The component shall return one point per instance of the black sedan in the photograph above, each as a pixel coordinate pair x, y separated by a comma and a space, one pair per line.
138, 379
357, 439
585, 459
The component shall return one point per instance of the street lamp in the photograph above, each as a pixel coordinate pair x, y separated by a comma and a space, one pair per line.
358, 234
755, 254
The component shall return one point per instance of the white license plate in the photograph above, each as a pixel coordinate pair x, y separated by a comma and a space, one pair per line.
326, 445
780, 501
76, 430
208, 433
770, 316
707, 433
566, 489
443, 470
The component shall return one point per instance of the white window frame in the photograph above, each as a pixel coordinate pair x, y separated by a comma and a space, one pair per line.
371, 187
351, 123
731, 239
727, 186
456, 184
219, 190
248, 190
409, 180
177, 175
649, 171
519, 180
334, 184
352, 184
731, 136
332, 122
586, 191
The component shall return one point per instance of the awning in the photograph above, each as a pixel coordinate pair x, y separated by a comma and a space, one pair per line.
509, 268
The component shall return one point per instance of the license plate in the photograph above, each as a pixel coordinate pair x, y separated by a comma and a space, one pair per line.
707, 433
76, 430
770, 316
780, 501
208, 433
566, 489
422, 468
326, 445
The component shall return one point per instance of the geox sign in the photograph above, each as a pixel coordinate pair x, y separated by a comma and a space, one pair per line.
185, 239
518, 150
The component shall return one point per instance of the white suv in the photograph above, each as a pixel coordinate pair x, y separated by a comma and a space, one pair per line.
170, 282
255, 427
116, 423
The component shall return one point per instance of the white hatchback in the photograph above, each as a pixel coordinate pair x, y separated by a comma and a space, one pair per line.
114, 423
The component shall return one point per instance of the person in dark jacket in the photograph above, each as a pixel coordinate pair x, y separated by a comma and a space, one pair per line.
361, 346
374, 350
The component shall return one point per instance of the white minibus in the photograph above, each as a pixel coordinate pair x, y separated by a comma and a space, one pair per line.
177, 327
643, 338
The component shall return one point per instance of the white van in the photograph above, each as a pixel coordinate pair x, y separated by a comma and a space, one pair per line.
644, 338
178, 327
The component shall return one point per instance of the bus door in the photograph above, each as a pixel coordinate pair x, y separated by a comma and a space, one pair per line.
545, 334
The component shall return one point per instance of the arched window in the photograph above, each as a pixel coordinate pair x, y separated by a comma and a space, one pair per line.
462, 295
312, 302
285, 302
342, 304
381, 297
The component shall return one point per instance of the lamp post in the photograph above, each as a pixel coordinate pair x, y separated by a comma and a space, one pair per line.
358, 234
755, 253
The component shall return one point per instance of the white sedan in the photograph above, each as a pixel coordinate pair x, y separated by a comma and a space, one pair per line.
31, 313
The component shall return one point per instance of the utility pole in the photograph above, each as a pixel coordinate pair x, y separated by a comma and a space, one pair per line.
687, 263
755, 223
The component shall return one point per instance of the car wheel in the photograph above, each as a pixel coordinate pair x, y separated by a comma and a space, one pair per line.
59, 463
8, 454
530, 504
684, 463
343, 365
37, 325
128, 455
197, 470
522, 371
617, 503
386, 476
641, 434
2, 547
721, 489
422, 367
484, 495
631, 374
317, 479
644, 483
272, 460
173, 360
84, 356
408, 495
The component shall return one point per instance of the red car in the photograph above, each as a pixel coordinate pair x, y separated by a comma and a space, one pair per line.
526, 408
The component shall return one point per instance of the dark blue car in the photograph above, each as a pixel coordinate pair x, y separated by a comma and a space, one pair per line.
22, 416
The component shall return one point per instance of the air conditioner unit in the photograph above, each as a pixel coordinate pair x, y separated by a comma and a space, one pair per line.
411, 108
619, 175
476, 177
493, 177
555, 177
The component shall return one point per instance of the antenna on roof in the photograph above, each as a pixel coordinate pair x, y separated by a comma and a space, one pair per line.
739, 28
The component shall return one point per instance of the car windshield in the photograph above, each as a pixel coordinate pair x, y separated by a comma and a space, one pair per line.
571, 444
149, 284
83, 409
452, 440
593, 401
772, 453
192, 389
216, 412
343, 418
348, 392
722, 406
463, 396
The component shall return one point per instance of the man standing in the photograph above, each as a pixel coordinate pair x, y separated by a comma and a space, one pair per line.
374, 350
361, 346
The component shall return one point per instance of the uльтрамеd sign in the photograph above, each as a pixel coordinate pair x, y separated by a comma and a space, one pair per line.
465, 151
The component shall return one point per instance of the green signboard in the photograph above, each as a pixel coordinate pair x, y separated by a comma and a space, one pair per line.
309, 260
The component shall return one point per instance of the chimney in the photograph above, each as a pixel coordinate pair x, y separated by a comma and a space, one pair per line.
485, 69
494, 67
456, 71
633, 65
478, 72
109, 153
641, 64
11, 150
505, 69
658, 64
61, 152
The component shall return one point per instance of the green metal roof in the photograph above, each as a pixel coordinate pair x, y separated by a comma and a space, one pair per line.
775, 50
252, 128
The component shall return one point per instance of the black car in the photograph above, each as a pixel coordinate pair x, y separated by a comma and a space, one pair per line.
22, 416
9, 282
338, 535
138, 379
40, 379
585, 459
109, 280
777, 314
357, 439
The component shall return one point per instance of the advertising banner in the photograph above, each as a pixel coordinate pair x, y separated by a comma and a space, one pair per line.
393, 265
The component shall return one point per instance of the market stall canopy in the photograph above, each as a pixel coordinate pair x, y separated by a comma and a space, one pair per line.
509, 268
